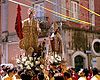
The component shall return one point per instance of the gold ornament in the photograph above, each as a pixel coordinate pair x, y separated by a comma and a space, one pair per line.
30, 50
30, 37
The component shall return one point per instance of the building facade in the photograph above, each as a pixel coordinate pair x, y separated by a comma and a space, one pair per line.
9, 39
97, 10
73, 32
78, 43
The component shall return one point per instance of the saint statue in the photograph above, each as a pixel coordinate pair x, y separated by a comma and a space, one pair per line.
30, 34
56, 39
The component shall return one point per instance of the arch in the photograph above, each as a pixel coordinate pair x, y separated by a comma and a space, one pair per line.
81, 54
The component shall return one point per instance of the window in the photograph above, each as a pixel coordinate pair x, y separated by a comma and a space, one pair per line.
74, 9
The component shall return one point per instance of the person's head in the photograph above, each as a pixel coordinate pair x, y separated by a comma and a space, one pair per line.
15, 70
51, 74
3, 67
35, 77
86, 71
31, 13
10, 72
23, 76
67, 75
59, 78
95, 71
40, 76
19, 72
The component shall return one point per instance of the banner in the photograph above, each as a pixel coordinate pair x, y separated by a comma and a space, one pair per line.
18, 23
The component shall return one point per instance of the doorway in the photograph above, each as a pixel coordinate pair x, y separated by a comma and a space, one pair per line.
79, 59
79, 62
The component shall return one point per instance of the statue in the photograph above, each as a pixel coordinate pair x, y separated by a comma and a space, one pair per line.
31, 30
56, 40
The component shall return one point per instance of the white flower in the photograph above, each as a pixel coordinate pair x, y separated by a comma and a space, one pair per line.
56, 55
28, 67
58, 58
52, 58
36, 69
34, 58
30, 58
51, 61
21, 66
37, 62
55, 61
27, 62
42, 66
32, 64
38, 58
52, 35
24, 59
18, 61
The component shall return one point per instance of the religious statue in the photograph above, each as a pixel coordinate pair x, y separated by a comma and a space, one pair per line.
30, 34
56, 39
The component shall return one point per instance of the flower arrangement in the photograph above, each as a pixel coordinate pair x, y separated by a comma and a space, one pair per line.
25, 62
54, 60
28, 62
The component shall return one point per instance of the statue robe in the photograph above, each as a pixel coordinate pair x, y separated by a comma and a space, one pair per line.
56, 43
30, 36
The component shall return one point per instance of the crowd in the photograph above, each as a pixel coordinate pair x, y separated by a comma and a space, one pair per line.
53, 73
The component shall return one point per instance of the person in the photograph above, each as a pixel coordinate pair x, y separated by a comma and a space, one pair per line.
96, 75
31, 30
9, 75
41, 76
51, 75
82, 75
4, 70
74, 74
89, 73
35, 77
67, 76
59, 78
17, 75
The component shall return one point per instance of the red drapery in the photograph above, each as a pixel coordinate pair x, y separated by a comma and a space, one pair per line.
18, 24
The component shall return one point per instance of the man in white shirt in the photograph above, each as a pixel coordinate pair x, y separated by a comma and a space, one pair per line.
96, 76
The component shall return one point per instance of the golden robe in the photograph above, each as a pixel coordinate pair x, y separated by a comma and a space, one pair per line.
56, 43
30, 36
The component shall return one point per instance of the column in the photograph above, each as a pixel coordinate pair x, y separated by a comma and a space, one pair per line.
91, 15
4, 30
64, 48
4, 57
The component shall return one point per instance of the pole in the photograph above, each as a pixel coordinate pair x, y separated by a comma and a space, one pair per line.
88, 57
88, 60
